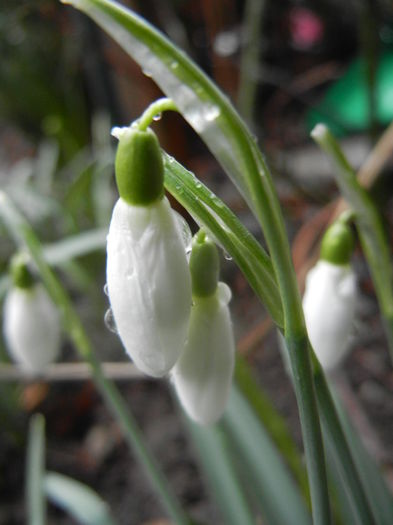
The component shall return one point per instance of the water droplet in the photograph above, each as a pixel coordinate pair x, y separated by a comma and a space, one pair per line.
106, 290
147, 73
227, 257
174, 65
157, 117
226, 43
224, 293
211, 113
109, 321
198, 185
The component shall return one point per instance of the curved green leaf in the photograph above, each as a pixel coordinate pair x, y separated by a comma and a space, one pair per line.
277, 493
77, 499
215, 456
237, 241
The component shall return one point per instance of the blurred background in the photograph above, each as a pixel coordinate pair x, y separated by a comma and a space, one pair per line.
63, 84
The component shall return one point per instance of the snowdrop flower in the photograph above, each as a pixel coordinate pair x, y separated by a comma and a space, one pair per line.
31, 324
330, 297
203, 374
148, 280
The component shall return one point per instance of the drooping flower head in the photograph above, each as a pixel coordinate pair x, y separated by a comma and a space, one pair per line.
203, 374
148, 280
31, 322
330, 297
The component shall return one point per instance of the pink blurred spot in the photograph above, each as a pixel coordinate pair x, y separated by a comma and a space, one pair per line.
306, 28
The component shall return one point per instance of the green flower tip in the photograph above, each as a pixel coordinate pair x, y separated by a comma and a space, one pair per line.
138, 166
204, 265
338, 243
20, 274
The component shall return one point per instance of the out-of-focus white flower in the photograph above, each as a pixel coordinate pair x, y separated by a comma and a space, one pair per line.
149, 284
329, 309
31, 327
203, 374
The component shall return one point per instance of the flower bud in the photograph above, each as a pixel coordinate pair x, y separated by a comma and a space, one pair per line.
203, 374
337, 243
148, 280
329, 309
139, 167
31, 327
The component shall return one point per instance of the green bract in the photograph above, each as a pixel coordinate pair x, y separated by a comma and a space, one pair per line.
204, 266
20, 274
139, 166
337, 244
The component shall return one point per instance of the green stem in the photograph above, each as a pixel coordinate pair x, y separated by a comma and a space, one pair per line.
155, 110
250, 64
35, 467
25, 236
345, 463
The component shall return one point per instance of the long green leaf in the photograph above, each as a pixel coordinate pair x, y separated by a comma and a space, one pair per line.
35, 465
208, 210
277, 493
273, 422
77, 499
343, 457
369, 223
25, 237
379, 496
214, 454
75, 246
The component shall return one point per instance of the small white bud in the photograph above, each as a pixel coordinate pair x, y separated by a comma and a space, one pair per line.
31, 327
329, 310
203, 374
149, 284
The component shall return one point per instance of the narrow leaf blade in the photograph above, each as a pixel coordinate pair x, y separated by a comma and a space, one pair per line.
77, 499
35, 465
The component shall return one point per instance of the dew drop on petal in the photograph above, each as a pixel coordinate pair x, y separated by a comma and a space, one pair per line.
109, 321
224, 293
106, 289
157, 117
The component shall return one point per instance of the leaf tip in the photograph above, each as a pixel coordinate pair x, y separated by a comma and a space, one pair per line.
319, 132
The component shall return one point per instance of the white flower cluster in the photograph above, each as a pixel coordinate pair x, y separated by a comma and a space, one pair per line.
149, 288
169, 320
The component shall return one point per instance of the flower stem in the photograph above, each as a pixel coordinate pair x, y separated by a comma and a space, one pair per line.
154, 111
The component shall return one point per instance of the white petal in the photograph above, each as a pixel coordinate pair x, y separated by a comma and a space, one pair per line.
149, 284
202, 376
31, 327
329, 309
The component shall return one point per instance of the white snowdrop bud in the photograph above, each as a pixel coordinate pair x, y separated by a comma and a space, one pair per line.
203, 374
31, 327
149, 284
329, 309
